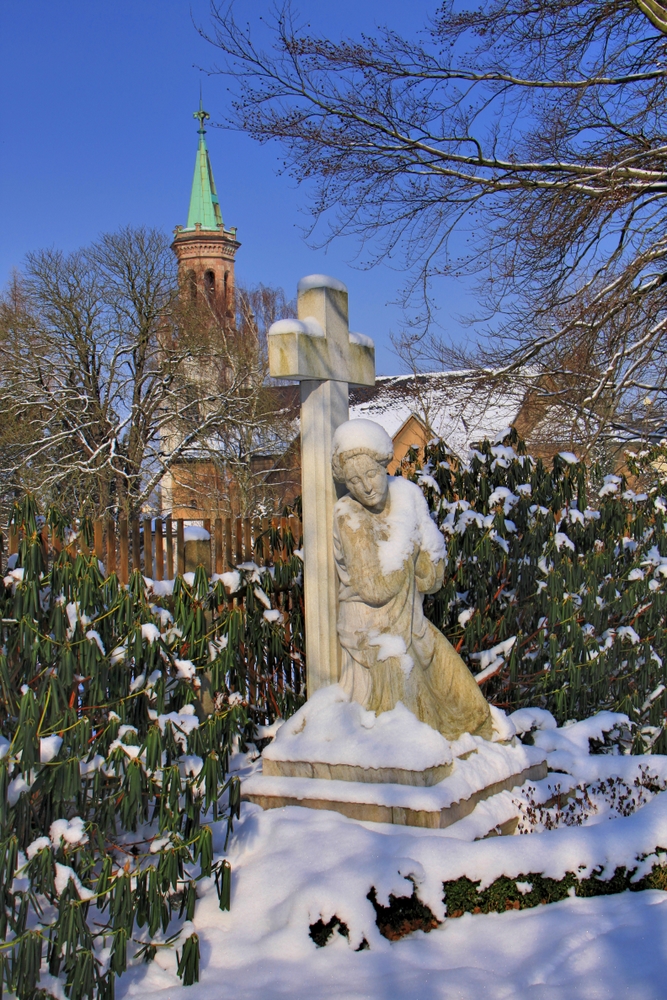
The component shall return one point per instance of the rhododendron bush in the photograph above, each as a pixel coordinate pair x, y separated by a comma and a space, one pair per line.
554, 592
121, 710
118, 716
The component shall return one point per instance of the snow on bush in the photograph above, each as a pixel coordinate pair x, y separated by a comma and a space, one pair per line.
573, 583
351, 884
118, 720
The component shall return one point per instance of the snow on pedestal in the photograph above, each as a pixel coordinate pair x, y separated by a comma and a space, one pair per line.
386, 768
334, 738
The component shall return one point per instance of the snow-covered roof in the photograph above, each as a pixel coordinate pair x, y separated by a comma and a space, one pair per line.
456, 406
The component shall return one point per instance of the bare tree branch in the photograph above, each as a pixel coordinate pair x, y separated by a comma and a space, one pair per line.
109, 378
520, 143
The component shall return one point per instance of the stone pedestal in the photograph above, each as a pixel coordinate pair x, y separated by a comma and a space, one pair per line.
389, 768
436, 806
355, 772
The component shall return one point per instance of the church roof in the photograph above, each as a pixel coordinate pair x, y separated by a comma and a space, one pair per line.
204, 204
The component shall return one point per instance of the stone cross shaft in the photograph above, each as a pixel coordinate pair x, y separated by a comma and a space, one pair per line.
319, 351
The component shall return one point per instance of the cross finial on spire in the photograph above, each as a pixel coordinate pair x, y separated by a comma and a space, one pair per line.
204, 205
201, 115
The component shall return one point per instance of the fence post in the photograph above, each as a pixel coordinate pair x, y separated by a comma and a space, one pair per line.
283, 532
124, 552
257, 542
247, 540
239, 540
136, 544
266, 541
148, 548
98, 549
206, 524
218, 545
111, 546
228, 544
170, 551
274, 528
180, 546
73, 548
82, 543
56, 543
159, 549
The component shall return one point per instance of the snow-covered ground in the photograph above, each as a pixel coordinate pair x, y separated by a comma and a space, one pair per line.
607, 948
293, 866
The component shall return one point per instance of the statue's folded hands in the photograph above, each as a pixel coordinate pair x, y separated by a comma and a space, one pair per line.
428, 574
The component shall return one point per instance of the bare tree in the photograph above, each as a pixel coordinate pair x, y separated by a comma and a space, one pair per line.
15, 428
101, 385
259, 449
536, 134
235, 468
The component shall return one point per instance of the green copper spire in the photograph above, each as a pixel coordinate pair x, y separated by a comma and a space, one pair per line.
204, 204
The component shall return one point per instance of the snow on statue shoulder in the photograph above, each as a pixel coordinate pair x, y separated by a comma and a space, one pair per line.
388, 554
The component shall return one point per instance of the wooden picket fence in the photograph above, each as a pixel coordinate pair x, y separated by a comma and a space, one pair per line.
160, 547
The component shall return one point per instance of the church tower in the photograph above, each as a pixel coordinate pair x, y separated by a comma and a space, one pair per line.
204, 248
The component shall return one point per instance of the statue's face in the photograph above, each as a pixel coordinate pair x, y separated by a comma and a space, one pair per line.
367, 481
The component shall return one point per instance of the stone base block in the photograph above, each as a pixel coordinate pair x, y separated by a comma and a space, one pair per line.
436, 807
351, 772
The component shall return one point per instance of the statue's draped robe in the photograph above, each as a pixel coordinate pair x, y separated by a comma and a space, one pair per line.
390, 651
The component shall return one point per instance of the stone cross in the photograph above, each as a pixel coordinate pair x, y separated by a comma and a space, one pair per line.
319, 351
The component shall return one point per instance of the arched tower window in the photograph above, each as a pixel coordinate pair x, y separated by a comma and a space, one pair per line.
209, 284
226, 292
191, 284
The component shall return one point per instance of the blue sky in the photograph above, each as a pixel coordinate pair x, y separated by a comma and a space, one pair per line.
96, 131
